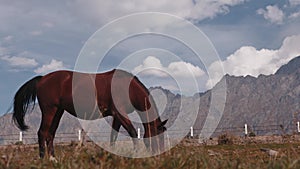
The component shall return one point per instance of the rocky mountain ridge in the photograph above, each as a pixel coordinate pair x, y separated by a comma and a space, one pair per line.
269, 105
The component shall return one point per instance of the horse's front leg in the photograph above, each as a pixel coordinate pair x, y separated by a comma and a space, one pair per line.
50, 148
123, 118
116, 125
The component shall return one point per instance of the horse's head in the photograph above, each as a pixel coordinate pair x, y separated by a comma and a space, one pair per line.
154, 137
161, 127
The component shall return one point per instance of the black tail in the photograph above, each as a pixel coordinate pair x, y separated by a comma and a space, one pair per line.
24, 96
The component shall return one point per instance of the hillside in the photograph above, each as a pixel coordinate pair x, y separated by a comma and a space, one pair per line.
10, 133
267, 104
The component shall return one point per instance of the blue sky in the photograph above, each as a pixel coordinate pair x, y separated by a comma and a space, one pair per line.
251, 38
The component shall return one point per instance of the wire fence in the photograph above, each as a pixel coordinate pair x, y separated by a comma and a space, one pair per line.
79, 134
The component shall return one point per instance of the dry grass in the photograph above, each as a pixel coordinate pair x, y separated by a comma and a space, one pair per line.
181, 156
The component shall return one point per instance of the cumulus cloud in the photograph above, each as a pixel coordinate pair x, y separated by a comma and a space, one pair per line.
18, 61
272, 14
251, 61
178, 76
294, 2
153, 67
294, 15
36, 33
183, 69
3, 50
48, 24
52, 66
210, 9
8, 38
103, 11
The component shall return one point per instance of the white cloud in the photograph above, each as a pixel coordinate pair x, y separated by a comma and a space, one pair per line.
250, 61
294, 2
52, 66
272, 14
36, 33
103, 11
152, 66
183, 69
48, 24
8, 38
18, 61
178, 76
210, 9
294, 15
3, 50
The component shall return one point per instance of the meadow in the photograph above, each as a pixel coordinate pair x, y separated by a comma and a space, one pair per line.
184, 155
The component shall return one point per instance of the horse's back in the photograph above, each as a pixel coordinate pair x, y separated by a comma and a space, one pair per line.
116, 87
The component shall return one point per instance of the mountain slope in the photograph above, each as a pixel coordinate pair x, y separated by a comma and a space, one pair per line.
267, 104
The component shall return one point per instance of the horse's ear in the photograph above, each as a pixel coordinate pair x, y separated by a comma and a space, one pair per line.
164, 123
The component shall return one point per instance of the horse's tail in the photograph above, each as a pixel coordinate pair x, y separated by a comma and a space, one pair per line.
24, 96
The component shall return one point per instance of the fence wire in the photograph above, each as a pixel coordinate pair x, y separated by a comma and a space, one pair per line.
31, 137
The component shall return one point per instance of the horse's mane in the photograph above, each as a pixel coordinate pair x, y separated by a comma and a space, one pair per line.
122, 73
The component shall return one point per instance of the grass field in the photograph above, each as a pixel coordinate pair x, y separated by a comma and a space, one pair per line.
181, 156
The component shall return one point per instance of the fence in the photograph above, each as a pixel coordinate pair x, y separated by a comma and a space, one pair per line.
79, 135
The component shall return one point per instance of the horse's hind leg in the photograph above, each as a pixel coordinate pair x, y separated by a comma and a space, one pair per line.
41, 140
50, 120
52, 131
116, 125
43, 133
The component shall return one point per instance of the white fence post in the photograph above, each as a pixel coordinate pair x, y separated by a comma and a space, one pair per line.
79, 135
298, 126
168, 140
192, 132
246, 130
21, 136
139, 133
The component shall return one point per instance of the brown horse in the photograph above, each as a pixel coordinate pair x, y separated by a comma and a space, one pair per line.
115, 93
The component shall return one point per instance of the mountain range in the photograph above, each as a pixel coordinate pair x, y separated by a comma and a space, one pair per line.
268, 104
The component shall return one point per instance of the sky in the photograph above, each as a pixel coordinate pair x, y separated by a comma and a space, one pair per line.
251, 37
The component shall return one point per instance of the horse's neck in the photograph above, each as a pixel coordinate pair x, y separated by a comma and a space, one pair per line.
150, 117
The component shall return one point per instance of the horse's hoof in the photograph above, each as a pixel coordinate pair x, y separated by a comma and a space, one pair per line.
53, 159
